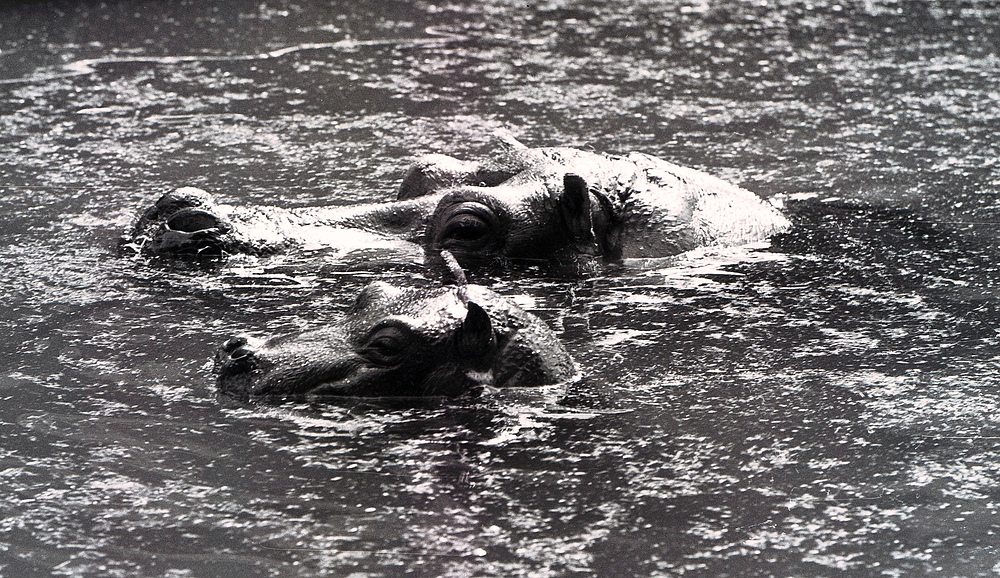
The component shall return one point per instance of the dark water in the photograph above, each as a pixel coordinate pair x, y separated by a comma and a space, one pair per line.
827, 407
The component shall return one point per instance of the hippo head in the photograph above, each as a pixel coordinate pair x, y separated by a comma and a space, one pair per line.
393, 342
489, 226
180, 223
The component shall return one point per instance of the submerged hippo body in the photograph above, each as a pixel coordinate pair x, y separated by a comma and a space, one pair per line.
518, 204
402, 341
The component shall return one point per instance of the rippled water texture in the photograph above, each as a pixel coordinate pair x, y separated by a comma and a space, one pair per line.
826, 407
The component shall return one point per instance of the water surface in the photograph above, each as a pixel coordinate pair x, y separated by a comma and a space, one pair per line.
825, 406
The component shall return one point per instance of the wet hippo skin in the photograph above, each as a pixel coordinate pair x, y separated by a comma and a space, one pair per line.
517, 205
402, 341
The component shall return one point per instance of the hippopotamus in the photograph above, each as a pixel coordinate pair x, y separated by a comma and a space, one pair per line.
516, 205
436, 340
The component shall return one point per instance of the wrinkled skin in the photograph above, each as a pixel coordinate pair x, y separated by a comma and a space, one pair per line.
402, 341
189, 222
517, 205
563, 203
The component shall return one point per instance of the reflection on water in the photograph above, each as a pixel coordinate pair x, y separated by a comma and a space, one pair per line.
823, 406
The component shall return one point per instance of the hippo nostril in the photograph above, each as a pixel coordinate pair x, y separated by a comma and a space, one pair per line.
234, 343
193, 221
240, 353
235, 349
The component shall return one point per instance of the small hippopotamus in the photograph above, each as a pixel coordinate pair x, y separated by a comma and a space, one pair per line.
440, 340
517, 205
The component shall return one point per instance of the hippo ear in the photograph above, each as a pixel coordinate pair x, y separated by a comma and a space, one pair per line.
476, 339
574, 209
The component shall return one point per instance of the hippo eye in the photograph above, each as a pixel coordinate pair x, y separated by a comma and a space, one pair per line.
469, 225
466, 228
386, 345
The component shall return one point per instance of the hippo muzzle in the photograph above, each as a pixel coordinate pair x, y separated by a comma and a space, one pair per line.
190, 231
258, 367
184, 222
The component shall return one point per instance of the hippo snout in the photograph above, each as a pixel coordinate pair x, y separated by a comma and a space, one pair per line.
193, 231
185, 221
287, 366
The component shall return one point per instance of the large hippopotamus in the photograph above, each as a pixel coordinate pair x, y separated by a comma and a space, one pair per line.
517, 204
438, 340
